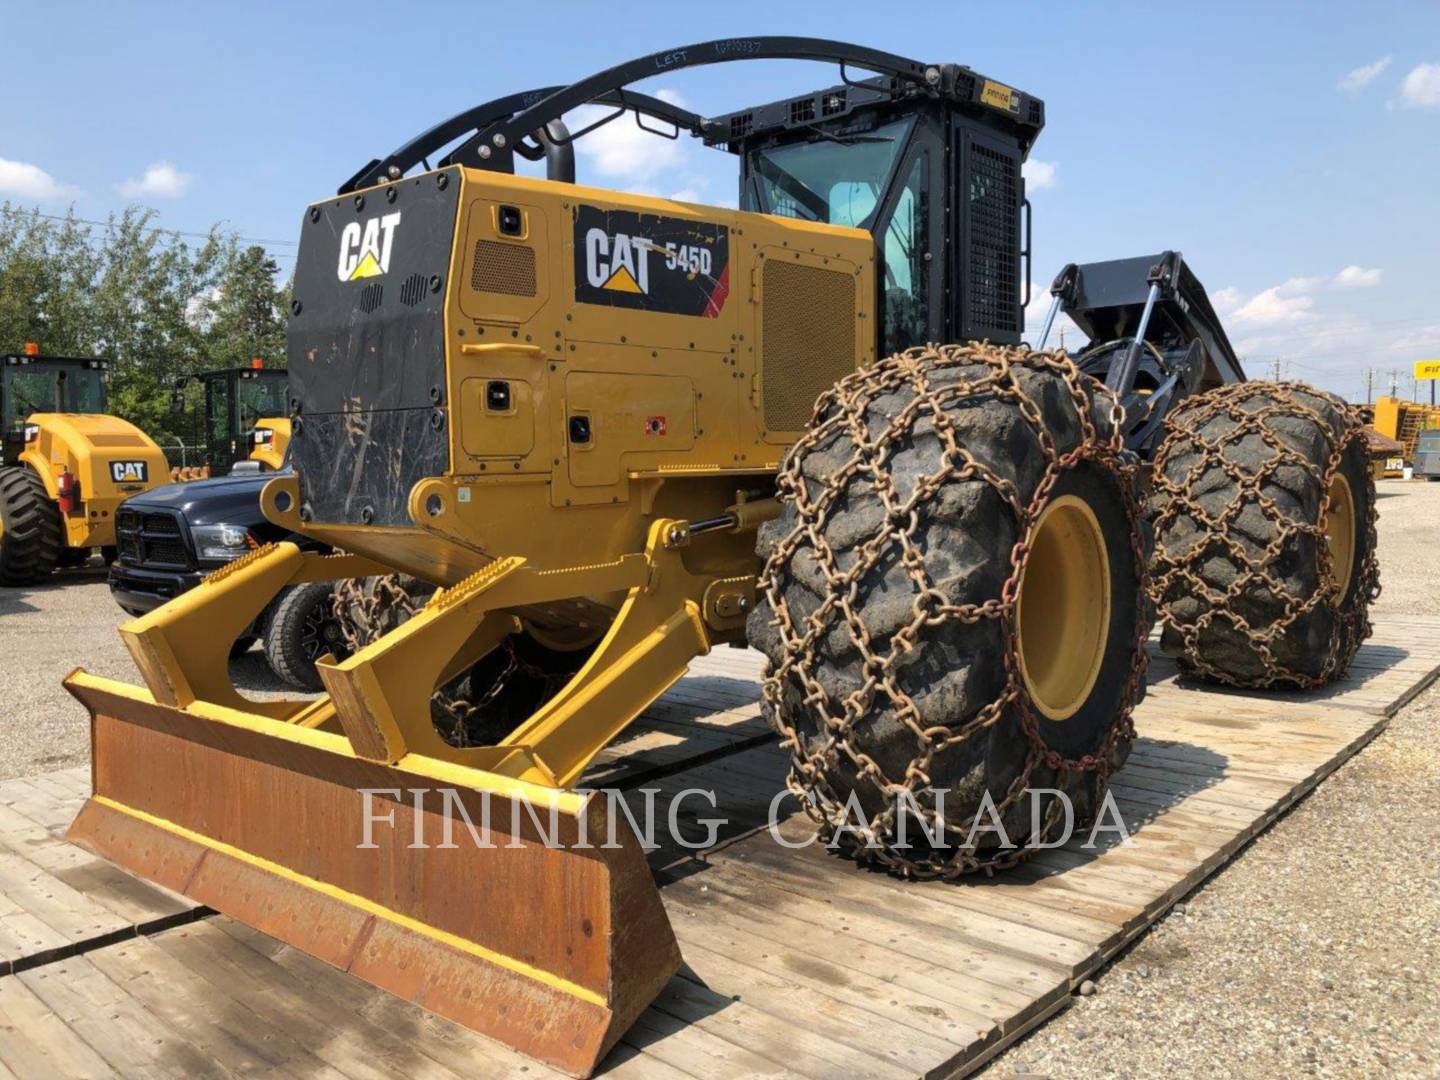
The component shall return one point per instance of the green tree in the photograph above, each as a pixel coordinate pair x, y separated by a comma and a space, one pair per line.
156, 306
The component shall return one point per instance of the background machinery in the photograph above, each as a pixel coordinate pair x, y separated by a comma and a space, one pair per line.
66, 463
617, 431
1403, 421
246, 418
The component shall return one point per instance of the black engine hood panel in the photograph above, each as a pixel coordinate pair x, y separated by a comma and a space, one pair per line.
226, 500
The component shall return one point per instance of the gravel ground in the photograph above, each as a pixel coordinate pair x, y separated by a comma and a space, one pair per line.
1409, 514
1315, 952
46, 632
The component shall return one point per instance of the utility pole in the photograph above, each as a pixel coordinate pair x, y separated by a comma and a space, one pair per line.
1369, 385
1062, 339
1394, 383
1276, 376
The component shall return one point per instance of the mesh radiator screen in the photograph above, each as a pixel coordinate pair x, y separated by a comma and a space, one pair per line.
808, 339
503, 268
994, 208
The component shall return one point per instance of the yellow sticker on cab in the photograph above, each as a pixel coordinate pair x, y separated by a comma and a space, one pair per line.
1000, 96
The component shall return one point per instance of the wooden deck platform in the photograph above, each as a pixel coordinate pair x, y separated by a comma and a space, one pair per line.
797, 963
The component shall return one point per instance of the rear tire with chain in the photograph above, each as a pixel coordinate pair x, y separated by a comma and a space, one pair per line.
1264, 516
30, 528
303, 628
916, 643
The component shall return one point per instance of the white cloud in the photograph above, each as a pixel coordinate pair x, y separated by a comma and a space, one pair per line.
1355, 81
1040, 175
1422, 342
1291, 301
161, 181
1226, 300
1357, 277
1421, 88
1273, 305
28, 181
1299, 286
688, 194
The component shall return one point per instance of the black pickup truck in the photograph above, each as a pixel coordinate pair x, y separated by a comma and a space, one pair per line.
169, 538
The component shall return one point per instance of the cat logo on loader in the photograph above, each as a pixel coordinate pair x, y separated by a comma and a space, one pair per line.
365, 250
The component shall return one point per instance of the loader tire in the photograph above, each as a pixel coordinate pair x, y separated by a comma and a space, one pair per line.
303, 628
953, 600
1264, 516
30, 528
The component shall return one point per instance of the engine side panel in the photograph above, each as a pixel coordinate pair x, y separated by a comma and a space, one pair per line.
591, 359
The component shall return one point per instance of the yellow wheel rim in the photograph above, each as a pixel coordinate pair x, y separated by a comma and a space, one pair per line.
1340, 532
1062, 610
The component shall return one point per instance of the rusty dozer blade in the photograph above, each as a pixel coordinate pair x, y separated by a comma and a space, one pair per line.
471, 881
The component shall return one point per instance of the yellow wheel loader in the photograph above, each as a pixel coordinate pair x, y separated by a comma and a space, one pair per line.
246, 418
610, 432
268, 442
66, 464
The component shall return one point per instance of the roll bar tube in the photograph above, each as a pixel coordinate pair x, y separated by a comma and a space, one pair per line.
501, 125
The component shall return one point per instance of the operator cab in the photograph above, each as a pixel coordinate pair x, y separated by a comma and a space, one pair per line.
31, 383
236, 399
894, 159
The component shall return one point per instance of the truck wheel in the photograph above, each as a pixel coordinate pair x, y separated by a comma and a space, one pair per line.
303, 628
953, 601
1264, 517
30, 528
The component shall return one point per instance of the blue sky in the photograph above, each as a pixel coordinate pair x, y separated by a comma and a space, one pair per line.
1291, 151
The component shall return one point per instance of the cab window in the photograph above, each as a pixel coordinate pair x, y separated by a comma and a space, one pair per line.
907, 273
836, 179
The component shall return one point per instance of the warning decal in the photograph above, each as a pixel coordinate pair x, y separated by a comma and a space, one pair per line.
650, 262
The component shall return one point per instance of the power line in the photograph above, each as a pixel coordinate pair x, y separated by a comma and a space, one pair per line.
157, 229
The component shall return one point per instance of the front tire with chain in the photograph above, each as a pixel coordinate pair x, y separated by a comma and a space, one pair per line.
30, 528
953, 601
1264, 516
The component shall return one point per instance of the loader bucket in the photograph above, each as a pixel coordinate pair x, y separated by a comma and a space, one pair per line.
551, 939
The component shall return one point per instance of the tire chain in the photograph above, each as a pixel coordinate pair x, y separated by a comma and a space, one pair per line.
843, 409
1170, 499
366, 615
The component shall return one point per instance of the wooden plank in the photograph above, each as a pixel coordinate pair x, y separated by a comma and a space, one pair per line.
454, 1047
687, 999
696, 1052
36, 1043
72, 915
132, 901
211, 1018
860, 1017
799, 963
121, 1030
284, 1004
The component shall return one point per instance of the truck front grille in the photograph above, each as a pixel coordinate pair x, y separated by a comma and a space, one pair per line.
152, 540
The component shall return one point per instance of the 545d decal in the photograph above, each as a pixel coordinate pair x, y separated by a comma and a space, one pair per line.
651, 262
